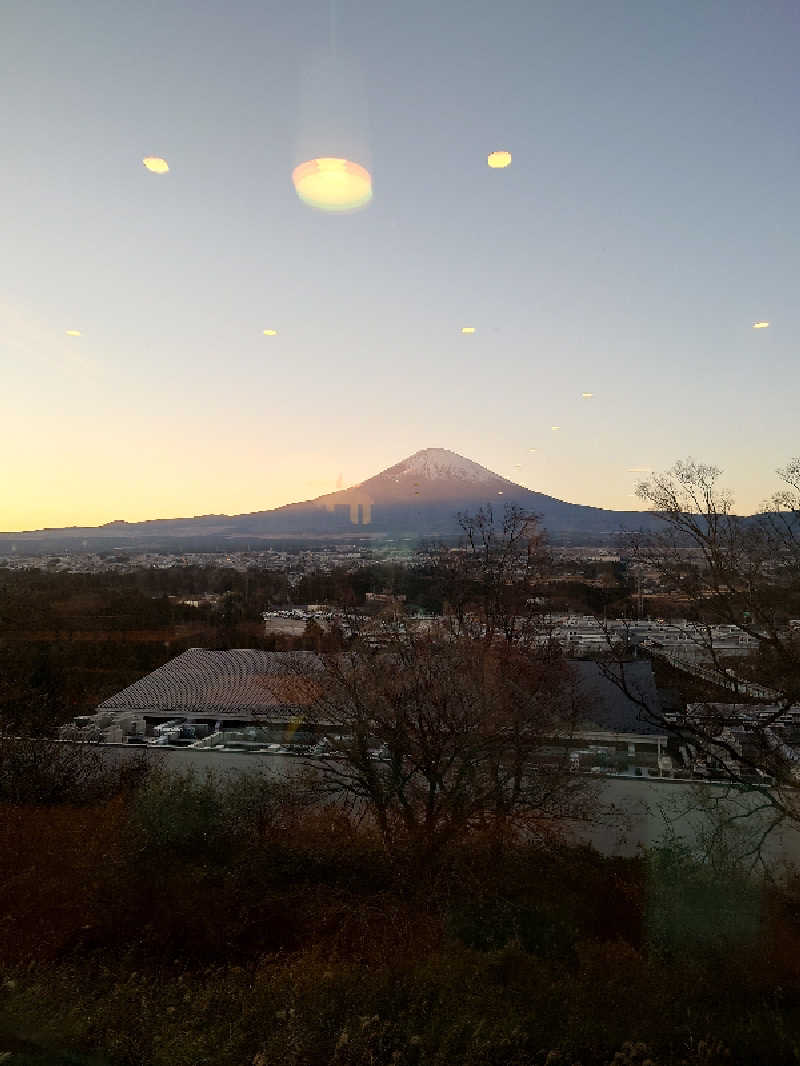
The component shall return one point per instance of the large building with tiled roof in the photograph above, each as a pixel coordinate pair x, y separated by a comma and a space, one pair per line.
250, 700
242, 684
207, 691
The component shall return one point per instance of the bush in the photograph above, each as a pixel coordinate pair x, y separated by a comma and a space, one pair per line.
47, 772
494, 923
693, 912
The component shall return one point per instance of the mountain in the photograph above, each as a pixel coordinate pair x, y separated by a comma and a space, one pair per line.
423, 494
420, 495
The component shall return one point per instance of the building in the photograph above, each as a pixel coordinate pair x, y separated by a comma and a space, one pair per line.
250, 700
201, 692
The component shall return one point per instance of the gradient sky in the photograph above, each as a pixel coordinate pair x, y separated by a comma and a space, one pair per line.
649, 217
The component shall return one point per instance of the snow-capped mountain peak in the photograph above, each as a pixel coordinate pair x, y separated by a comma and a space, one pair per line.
439, 464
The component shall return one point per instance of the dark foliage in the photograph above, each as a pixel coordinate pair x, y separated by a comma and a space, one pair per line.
188, 921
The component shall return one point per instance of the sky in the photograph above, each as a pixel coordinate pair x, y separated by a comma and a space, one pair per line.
649, 217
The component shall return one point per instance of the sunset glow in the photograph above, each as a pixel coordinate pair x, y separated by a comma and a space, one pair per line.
627, 213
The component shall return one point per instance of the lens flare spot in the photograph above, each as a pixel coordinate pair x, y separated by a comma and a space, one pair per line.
498, 160
156, 164
760, 325
587, 395
467, 329
270, 333
555, 427
334, 185
73, 332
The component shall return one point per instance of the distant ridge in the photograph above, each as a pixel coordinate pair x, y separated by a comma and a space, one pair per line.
419, 496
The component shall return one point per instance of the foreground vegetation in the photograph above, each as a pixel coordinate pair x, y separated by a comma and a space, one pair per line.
172, 920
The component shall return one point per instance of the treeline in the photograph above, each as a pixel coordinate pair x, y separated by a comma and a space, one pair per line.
34, 601
589, 588
155, 919
42, 600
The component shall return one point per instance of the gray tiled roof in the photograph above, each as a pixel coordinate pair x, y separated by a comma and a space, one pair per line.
243, 680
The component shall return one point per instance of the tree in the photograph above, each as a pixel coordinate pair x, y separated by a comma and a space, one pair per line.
489, 583
437, 736
742, 573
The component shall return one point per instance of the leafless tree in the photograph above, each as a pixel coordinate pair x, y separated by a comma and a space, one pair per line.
435, 737
491, 582
742, 573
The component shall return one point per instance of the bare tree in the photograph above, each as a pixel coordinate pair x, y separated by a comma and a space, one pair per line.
741, 573
491, 581
436, 737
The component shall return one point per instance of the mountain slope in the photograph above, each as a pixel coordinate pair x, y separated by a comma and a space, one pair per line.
420, 495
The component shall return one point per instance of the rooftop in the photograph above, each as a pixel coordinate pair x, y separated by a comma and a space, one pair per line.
232, 683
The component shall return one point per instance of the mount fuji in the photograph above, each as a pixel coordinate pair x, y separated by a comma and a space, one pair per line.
419, 496
423, 495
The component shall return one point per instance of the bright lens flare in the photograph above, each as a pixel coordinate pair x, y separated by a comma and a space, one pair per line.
587, 395
555, 427
467, 329
497, 160
335, 185
760, 325
156, 164
270, 333
73, 332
